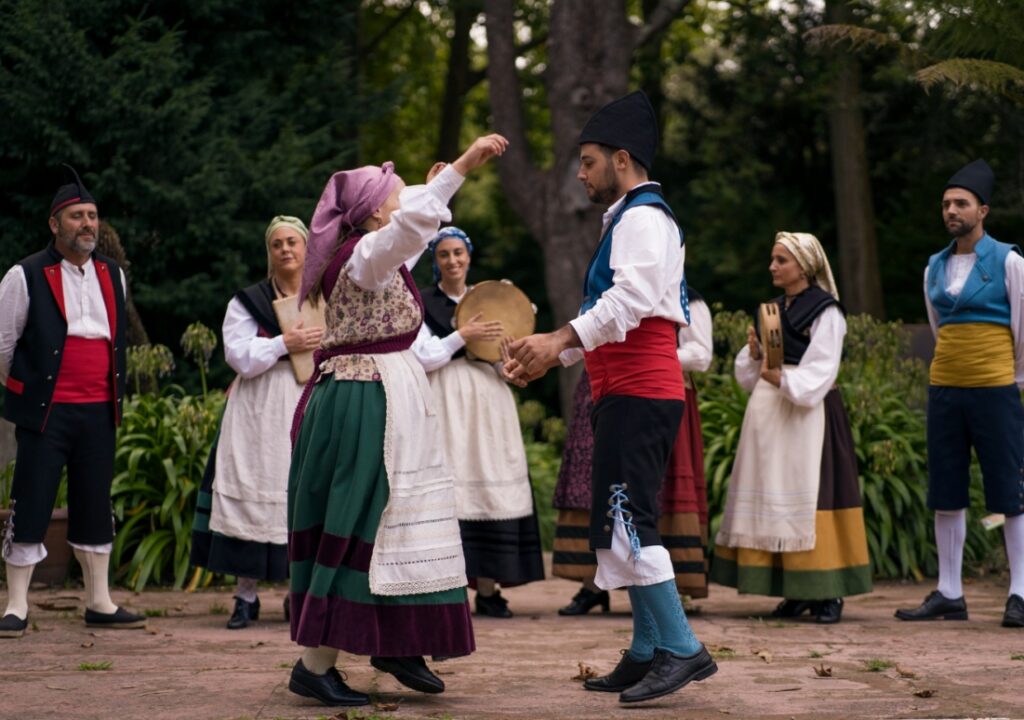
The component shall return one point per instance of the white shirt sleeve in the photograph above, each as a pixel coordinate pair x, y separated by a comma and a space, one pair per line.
746, 369
933, 316
124, 283
570, 356
248, 354
643, 262
1014, 271
13, 316
423, 208
696, 345
808, 383
434, 352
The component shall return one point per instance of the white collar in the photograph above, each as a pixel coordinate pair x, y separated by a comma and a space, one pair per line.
68, 266
614, 207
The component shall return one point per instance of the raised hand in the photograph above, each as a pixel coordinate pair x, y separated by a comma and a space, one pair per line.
435, 170
482, 150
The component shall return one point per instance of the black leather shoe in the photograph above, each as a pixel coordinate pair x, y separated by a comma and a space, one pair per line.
494, 606
411, 672
244, 613
586, 600
829, 612
669, 673
936, 606
1014, 615
121, 619
794, 608
12, 626
329, 688
625, 675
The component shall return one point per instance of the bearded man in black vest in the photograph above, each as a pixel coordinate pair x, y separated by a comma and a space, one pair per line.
62, 363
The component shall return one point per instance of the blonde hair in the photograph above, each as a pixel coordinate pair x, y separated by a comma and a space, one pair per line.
281, 221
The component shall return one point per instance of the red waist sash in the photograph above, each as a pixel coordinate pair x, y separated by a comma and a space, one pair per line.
84, 375
644, 365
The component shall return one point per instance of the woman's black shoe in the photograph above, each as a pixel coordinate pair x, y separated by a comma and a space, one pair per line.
244, 613
829, 611
494, 606
411, 672
329, 688
287, 608
795, 608
586, 600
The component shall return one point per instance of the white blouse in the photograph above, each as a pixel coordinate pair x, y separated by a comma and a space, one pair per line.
696, 345
248, 354
808, 383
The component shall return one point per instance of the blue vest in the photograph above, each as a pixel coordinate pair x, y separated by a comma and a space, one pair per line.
600, 276
983, 298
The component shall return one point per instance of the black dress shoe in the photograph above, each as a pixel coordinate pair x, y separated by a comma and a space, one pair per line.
625, 675
411, 672
1014, 615
669, 673
121, 619
244, 613
936, 606
494, 606
586, 600
12, 626
829, 612
329, 688
794, 608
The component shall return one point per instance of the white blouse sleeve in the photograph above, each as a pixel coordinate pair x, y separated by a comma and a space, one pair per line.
747, 369
434, 352
808, 383
248, 354
695, 340
1014, 271
401, 242
13, 316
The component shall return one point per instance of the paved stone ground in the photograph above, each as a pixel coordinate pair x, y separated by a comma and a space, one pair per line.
188, 665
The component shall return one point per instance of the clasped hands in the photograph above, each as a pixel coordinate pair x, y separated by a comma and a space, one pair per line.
529, 358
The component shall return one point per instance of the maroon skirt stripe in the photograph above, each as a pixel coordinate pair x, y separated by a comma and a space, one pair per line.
355, 627
331, 551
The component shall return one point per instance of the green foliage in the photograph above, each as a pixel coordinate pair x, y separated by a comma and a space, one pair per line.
162, 448
877, 665
93, 666
147, 364
198, 343
544, 459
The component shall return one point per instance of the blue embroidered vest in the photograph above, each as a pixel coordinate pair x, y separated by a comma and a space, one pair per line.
983, 298
600, 276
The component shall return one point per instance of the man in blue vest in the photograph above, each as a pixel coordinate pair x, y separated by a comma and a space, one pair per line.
634, 300
974, 293
62, 362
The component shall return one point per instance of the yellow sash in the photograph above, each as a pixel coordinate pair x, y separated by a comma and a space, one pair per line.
973, 355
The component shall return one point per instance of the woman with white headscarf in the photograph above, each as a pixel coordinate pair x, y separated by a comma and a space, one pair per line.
793, 525
241, 521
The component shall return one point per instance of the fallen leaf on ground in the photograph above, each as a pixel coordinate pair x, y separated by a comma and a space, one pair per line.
585, 672
905, 673
152, 631
786, 689
88, 644
719, 652
764, 655
924, 693
823, 671
382, 706
256, 644
58, 604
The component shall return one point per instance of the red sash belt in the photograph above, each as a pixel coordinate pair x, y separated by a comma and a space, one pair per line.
84, 375
644, 365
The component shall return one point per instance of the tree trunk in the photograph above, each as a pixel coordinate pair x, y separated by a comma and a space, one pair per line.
108, 243
859, 274
458, 82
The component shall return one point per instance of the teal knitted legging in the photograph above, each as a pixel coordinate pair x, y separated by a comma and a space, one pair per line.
659, 621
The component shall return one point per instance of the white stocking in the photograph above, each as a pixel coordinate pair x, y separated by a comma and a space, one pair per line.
1013, 532
319, 660
95, 569
950, 535
246, 589
18, 579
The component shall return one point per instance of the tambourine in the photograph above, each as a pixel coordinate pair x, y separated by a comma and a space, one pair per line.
496, 300
770, 324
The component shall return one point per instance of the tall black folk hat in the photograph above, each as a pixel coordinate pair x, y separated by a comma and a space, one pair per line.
71, 192
628, 123
977, 177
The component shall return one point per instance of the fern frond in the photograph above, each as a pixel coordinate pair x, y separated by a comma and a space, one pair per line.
861, 39
995, 77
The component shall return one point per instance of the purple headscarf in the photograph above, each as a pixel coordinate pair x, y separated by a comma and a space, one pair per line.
348, 199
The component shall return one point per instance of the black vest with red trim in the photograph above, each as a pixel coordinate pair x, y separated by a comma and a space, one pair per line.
40, 349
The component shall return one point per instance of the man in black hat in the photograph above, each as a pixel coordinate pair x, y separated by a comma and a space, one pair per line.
634, 302
974, 291
62, 361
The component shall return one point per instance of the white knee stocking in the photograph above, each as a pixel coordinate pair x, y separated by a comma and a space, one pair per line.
1013, 531
95, 569
246, 589
950, 535
319, 660
18, 579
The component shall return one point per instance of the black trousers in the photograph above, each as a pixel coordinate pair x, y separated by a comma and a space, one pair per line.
79, 436
633, 438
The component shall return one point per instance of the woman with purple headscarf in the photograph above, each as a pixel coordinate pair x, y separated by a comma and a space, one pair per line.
376, 557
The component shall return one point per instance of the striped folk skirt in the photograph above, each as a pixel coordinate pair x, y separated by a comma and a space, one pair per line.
337, 491
839, 564
683, 524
